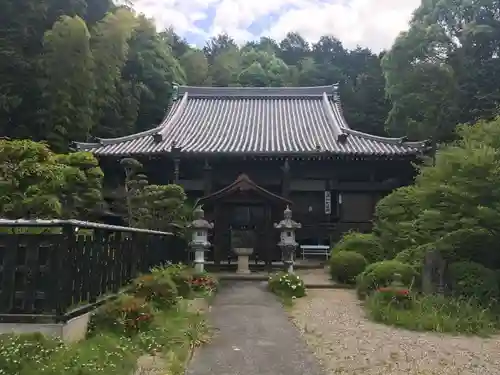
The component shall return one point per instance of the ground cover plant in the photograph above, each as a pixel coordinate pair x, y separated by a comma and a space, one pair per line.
382, 274
287, 286
434, 313
148, 319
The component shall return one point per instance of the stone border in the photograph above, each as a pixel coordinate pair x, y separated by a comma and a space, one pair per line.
72, 331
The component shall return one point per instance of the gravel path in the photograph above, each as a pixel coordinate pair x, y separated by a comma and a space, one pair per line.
346, 343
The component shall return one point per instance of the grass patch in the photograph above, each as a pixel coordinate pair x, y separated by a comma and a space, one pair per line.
436, 313
172, 335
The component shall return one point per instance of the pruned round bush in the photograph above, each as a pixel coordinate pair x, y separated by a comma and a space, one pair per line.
366, 244
473, 280
414, 255
381, 274
346, 265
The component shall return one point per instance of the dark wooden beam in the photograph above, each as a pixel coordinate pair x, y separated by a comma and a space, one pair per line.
285, 184
207, 178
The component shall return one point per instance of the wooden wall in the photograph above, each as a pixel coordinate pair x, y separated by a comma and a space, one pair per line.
355, 186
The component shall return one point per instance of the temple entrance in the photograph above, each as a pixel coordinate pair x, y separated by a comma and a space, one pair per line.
243, 214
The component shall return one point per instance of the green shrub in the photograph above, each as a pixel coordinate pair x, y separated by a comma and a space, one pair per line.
473, 280
157, 289
415, 256
434, 313
366, 244
180, 274
346, 265
381, 274
287, 285
204, 283
400, 298
126, 314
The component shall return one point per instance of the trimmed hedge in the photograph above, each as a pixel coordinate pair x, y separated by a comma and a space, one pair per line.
346, 265
381, 274
473, 280
366, 244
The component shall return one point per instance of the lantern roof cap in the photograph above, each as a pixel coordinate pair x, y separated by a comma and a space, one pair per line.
287, 222
199, 221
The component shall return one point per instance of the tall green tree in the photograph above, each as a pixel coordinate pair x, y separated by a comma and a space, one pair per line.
421, 85
195, 65
294, 48
444, 69
226, 67
150, 69
110, 48
22, 26
218, 45
453, 206
67, 87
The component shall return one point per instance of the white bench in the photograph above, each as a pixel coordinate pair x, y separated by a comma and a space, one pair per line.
323, 250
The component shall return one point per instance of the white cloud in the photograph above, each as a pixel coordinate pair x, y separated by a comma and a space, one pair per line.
369, 23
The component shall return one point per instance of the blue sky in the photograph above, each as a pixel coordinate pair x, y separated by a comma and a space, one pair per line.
368, 23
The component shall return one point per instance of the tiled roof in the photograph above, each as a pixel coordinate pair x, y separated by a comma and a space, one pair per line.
257, 120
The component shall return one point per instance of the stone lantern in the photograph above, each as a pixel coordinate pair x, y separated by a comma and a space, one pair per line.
199, 242
287, 242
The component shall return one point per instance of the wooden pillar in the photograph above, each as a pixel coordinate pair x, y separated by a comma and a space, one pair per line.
285, 184
207, 178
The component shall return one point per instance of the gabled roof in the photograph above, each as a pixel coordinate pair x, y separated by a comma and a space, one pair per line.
254, 120
243, 183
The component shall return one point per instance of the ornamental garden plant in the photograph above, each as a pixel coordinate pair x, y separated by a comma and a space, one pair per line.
399, 304
345, 266
396, 294
147, 319
287, 286
453, 208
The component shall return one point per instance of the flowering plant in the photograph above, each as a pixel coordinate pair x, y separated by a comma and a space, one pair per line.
396, 294
180, 274
126, 314
204, 283
287, 285
158, 289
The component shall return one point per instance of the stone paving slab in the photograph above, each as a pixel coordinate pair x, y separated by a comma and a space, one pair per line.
253, 337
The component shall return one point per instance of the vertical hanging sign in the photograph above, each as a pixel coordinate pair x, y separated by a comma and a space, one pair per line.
328, 203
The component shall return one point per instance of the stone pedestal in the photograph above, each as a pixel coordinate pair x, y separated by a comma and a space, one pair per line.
199, 260
243, 255
288, 256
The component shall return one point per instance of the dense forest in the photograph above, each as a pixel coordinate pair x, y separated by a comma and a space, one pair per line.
73, 69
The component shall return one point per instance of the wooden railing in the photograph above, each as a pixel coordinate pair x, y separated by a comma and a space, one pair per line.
53, 270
